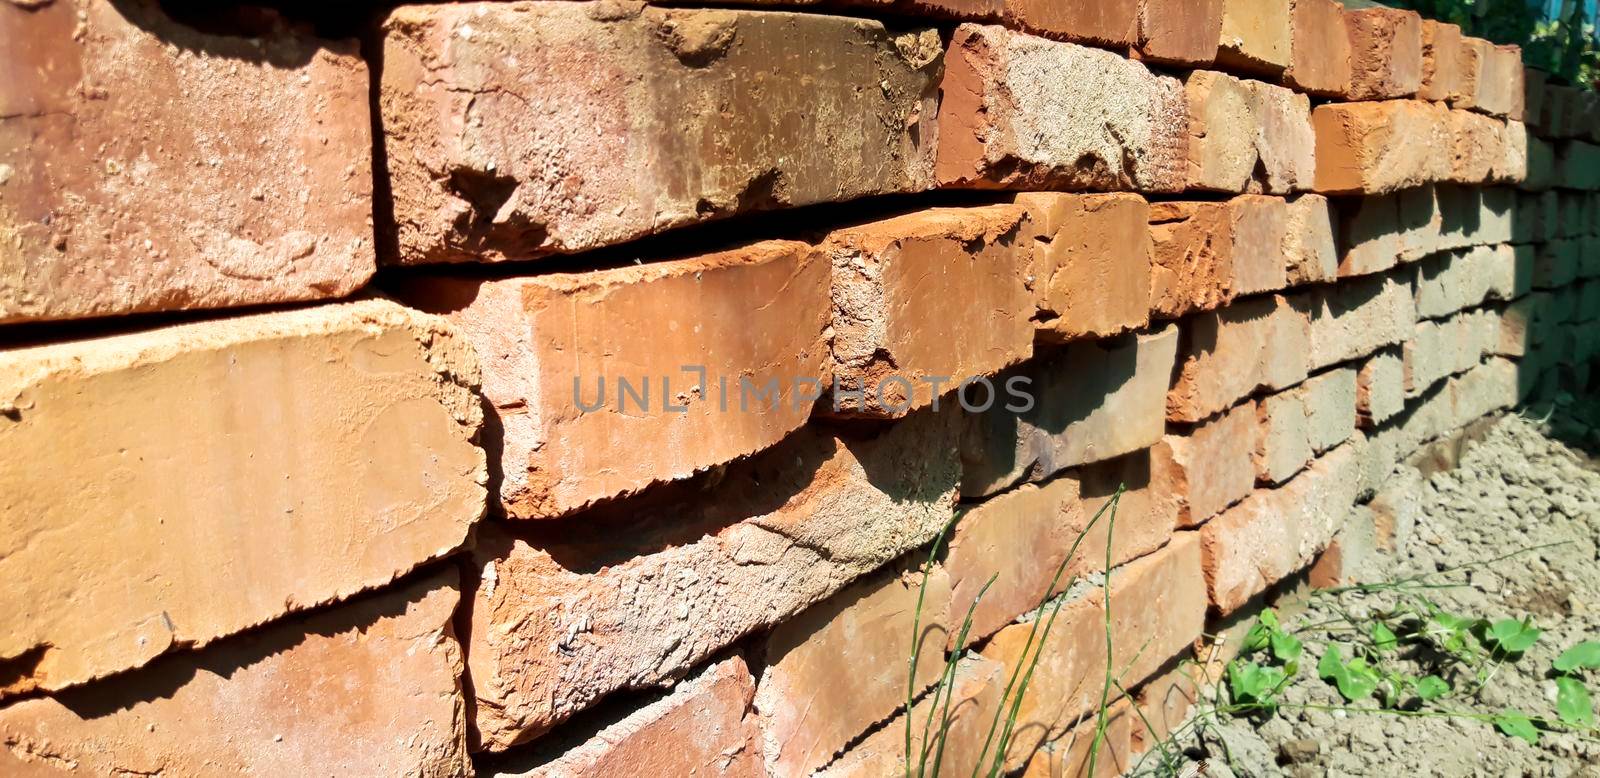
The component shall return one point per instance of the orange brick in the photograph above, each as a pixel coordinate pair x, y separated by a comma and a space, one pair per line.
1260, 343
1319, 49
1385, 53
974, 697
922, 302
1146, 514
1164, 704
1112, 23
1157, 610
1019, 539
1255, 36
1441, 61
1500, 90
558, 348
1206, 253
1378, 147
1207, 467
1222, 132
1476, 145
1090, 270
1069, 756
248, 181
1285, 142
1179, 32
1308, 246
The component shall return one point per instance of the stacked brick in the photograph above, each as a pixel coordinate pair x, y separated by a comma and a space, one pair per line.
596, 494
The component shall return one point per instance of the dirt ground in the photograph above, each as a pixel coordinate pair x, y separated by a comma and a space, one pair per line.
1533, 480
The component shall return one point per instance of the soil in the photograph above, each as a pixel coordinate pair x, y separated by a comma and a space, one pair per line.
1530, 481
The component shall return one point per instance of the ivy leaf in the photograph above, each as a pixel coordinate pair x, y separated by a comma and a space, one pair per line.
1383, 637
1585, 655
1432, 687
1331, 666
1573, 703
1516, 724
1513, 636
1253, 683
1286, 647
1354, 679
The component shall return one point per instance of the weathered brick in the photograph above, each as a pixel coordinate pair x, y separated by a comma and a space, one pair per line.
1319, 49
248, 181
1500, 86
1227, 354
699, 727
1207, 467
1472, 62
1357, 318
518, 130
1475, 144
1206, 253
1510, 166
1278, 531
1284, 445
929, 298
1222, 132
1255, 36
1025, 112
1145, 517
1369, 234
1068, 756
1579, 165
1285, 142
129, 535
659, 583
1440, 349
1385, 53
1157, 609
1422, 221
806, 715
1377, 147
1179, 32
1091, 401
1381, 388
1487, 388
1164, 705
1019, 539
1451, 282
1441, 61
1090, 270
1533, 84
697, 341
1541, 165
1330, 401
259, 703
1308, 245
974, 693
1111, 23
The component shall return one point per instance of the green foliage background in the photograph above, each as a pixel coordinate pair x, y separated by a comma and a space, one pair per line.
1559, 37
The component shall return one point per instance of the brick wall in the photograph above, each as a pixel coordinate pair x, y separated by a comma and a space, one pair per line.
485, 395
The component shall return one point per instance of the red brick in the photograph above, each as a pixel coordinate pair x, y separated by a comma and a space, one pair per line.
1092, 401
919, 301
1285, 142
1157, 610
975, 694
1206, 253
700, 727
247, 181
1441, 61
1226, 355
1207, 467
1319, 49
188, 482
1378, 147
519, 130
1222, 132
1255, 36
1259, 228
806, 715
1024, 112
555, 346
1146, 514
1308, 245
1276, 532
1385, 53
262, 703
1090, 270
663, 581
1112, 23
1179, 32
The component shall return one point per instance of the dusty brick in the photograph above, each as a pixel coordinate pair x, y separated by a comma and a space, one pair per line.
130, 535
519, 130
929, 298
1475, 145
1091, 401
1179, 32
1440, 349
1090, 270
1378, 147
1381, 388
1541, 165
1164, 705
1557, 263
259, 704
1068, 756
975, 694
1451, 282
1357, 318
1285, 142
1500, 85
1208, 466
1276, 532
1157, 610
1025, 112
700, 727
1490, 387
1385, 53
1370, 234
806, 715
1579, 165
1396, 509
1510, 166
100, 220
1319, 49
1330, 401
557, 348
1206, 253
1283, 447
1308, 243
1422, 212
1227, 354
1441, 61
766, 538
1222, 132
1111, 23
1473, 63
1255, 36
1019, 539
